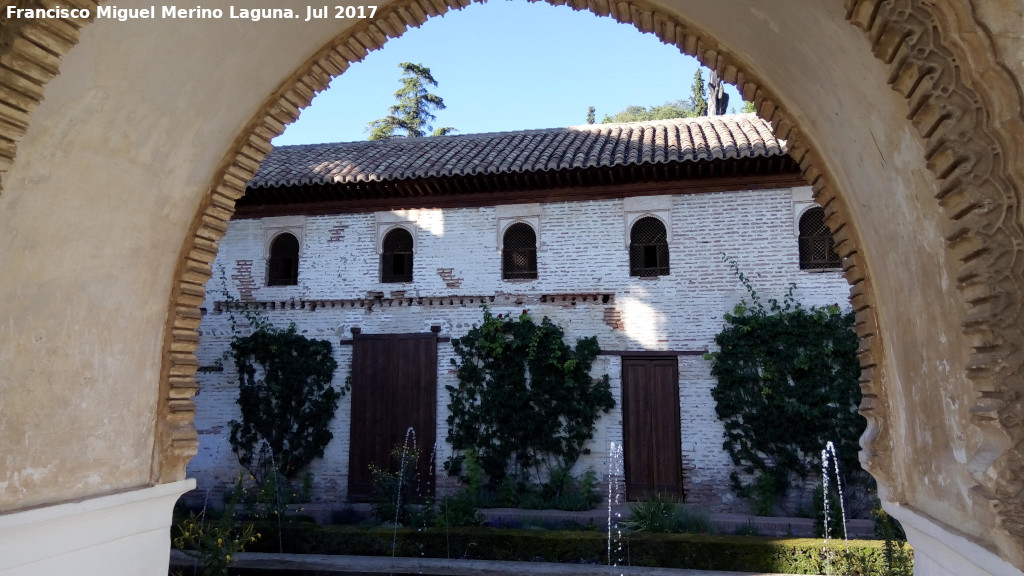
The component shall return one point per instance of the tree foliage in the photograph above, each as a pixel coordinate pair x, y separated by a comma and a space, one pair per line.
286, 400
525, 403
668, 110
787, 384
412, 116
698, 102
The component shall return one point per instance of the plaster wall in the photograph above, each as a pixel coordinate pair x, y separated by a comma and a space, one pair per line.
582, 250
97, 209
107, 179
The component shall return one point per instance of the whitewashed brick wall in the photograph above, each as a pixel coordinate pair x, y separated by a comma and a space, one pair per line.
582, 249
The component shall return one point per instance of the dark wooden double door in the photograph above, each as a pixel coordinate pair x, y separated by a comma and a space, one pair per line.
651, 431
394, 389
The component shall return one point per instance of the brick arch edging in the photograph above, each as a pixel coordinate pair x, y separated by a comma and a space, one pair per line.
971, 154
283, 107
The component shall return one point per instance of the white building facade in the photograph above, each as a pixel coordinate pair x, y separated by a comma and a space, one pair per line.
333, 268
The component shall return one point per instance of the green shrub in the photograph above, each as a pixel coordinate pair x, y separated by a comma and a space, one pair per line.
655, 513
652, 513
685, 551
212, 541
783, 363
690, 520
393, 491
285, 398
525, 401
458, 510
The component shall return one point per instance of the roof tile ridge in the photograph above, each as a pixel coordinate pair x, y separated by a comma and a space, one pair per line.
726, 129
447, 155
570, 158
550, 151
756, 143
521, 155
634, 145
595, 152
700, 144
621, 150
479, 158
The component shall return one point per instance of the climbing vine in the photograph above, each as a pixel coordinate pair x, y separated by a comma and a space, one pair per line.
525, 403
787, 384
284, 394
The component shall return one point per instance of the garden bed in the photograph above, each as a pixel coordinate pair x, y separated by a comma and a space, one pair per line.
702, 552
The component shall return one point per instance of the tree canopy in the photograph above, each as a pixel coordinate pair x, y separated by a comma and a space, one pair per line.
413, 114
695, 105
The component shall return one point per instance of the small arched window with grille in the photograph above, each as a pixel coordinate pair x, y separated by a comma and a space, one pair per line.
519, 253
817, 248
648, 248
283, 265
396, 256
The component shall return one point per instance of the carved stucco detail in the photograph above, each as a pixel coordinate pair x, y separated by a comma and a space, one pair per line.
976, 159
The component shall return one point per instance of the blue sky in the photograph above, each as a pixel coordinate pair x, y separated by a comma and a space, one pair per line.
506, 65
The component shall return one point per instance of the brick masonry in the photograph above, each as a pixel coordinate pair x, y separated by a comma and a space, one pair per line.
582, 250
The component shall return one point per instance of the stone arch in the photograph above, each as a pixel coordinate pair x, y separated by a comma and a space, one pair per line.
968, 117
295, 93
904, 35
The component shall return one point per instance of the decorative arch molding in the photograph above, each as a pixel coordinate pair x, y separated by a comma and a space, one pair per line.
177, 441
971, 153
975, 155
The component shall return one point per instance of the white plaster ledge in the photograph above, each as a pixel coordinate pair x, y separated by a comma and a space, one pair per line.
939, 551
125, 533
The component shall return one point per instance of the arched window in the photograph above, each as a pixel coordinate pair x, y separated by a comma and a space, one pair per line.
519, 253
283, 266
817, 248
396, 256
648, 248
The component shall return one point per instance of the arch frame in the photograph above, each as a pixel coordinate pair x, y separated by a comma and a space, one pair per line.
958, 110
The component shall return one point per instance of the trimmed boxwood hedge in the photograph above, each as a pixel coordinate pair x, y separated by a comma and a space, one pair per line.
700, 552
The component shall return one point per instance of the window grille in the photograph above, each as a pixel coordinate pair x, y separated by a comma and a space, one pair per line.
648, 248
283, 265
396, 256
519, 253
817, 248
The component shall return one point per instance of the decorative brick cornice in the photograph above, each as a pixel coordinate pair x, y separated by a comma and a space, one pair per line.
516, 299
944, 62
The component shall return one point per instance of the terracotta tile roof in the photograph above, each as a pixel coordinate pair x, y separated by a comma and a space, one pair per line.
587, 146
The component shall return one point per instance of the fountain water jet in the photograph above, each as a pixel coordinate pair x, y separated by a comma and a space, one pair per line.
614, 497
409, 433
826, 453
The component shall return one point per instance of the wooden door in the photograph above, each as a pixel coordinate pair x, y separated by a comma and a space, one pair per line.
394, 388
650, 422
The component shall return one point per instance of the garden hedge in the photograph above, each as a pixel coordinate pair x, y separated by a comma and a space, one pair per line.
700, 552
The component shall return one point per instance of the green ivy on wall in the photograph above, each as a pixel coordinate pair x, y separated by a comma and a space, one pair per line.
787, 385
285, 397
525, 403
284, 394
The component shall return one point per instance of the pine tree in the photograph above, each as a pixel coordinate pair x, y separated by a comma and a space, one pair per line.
591, 115
699, 102
412, 115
